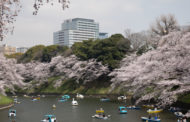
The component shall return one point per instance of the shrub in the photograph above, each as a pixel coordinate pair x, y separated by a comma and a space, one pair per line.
34, 53
43, 54
15, 55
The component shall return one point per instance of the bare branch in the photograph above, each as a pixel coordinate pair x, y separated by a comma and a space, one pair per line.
39, 3
164, 25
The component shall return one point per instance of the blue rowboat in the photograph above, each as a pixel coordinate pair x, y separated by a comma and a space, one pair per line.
12, 113
49, 118
66, 96
146, 119
62, 100
104, 99
122, 110
133, 108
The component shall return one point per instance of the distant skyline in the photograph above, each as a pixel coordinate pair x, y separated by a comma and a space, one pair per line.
114, 16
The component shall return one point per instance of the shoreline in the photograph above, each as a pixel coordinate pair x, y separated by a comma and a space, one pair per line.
7, 106
111, 96
21, 93
114, 96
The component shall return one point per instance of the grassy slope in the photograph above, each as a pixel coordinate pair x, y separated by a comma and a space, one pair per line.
184, 98
5, 100
69, 86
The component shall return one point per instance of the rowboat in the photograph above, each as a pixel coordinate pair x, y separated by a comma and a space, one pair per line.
122, 110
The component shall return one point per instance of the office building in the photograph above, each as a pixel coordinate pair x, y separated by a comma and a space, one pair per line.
22, 49
7, 50
76, 30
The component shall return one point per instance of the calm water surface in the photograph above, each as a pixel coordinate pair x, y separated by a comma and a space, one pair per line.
29, 111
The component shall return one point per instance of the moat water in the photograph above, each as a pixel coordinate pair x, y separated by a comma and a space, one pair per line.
34, 111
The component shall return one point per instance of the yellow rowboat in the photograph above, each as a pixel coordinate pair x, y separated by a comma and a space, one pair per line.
38, 98
155, 111
148, 106
100, 111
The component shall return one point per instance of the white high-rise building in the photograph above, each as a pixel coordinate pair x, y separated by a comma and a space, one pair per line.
76, 30
21, 49
58, 37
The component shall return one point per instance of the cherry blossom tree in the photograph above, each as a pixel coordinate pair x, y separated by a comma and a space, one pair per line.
9, 9
9, 78
161, 74
39, 3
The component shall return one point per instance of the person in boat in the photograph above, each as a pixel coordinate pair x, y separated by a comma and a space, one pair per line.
180, 120
158, 116
184, 119
149, 116
99, 115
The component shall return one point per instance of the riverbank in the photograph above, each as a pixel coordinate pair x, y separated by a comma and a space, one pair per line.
69, 86
5, 102
5, 107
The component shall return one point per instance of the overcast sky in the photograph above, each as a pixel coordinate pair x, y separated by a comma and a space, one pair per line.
114, 16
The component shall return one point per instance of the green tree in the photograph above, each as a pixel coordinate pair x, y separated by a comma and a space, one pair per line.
14, 55
109, 51
124, 45
142, 50
52, 51
34, 53
83, 50
44, 54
